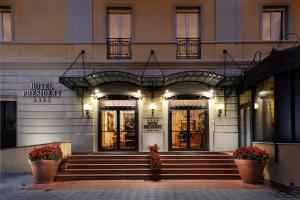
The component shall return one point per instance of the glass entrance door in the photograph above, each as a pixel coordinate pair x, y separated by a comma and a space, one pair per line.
245, 126
118, 130
188, 129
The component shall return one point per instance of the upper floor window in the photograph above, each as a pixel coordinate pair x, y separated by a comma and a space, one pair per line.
5, 23
119, 33
274, 22
188, 32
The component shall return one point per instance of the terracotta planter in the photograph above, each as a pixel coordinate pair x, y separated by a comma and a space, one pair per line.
155, 177
251, 171
43, 171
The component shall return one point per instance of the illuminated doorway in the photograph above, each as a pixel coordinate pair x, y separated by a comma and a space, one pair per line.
118, 125
188, 125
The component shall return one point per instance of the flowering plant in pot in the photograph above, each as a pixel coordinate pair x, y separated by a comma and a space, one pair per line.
155, 163
251, 162
44, 162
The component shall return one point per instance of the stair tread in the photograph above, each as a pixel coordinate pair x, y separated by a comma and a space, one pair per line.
62, 174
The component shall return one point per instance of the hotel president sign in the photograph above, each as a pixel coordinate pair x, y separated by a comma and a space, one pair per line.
152, 125
42, 91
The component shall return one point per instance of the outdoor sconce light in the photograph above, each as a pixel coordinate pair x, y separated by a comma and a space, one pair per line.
97, 94
152, 107
256, 106
139, 94
87, 108
220, 108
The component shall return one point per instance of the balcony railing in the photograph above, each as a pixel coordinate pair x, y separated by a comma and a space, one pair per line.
119, 48
188, 48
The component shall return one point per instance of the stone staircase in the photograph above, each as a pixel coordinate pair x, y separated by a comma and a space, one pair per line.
117, 166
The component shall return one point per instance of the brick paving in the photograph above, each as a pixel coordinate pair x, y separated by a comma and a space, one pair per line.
19, 186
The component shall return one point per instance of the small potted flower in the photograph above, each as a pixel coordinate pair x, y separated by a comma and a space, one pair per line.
251, 162
44, 162
155, 163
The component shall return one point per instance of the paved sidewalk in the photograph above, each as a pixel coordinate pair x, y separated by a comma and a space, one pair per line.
19, 186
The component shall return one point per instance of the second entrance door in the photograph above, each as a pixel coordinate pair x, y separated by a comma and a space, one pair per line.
188, 129
118, 130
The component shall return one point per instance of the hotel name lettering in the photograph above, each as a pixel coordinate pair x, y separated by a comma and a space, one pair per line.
42, 91
152, 124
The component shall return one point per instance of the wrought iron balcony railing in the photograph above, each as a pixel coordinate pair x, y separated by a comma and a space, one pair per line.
188, 48
119, 48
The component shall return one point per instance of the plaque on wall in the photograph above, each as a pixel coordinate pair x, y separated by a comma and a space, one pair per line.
152, 125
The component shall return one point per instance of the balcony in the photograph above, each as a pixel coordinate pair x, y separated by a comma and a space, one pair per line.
118, 48
188, 48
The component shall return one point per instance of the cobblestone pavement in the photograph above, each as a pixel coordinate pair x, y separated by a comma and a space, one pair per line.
12, 188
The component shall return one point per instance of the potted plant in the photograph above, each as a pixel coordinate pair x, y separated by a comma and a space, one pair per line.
44, 162
184, 135
155, 163
251, 162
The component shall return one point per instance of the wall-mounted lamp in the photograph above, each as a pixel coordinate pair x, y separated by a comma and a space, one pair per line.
139, 94
220, 108
256, 106
152, 107
87, 108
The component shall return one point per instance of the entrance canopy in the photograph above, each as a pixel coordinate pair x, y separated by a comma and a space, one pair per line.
104, 77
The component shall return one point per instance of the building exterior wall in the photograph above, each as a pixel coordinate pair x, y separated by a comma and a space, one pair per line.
48, 36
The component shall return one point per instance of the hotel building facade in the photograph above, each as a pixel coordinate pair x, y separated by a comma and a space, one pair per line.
112, 75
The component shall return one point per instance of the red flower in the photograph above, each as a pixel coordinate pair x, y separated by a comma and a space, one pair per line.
250, 153
47, 152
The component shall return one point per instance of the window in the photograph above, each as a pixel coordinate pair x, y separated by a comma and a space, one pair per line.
8, 123
5, 23
274, 22
264, 110
187, 32
119, 33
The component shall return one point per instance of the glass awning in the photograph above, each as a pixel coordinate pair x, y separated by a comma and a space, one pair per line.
100, 78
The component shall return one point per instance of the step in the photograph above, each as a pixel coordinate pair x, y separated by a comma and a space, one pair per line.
199, 165
200, 171
169, 156
195, 156
202, 176
197, 160
69, 177
108, 161
107, 166
107, 171
73, 157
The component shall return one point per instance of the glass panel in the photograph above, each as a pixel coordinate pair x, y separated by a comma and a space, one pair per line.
264, 110
242, 125
190, 103
179, 128
109, 129
245, 97
114, 28
128, 129
6, 26
117, 103
126, 26
1, 27
266, 25
198, 128
192, 25
275, 25
248, 126
180, 25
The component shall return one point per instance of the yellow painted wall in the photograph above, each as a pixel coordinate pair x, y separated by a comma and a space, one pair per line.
45, 20
154, 20
39, 20
251, 10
